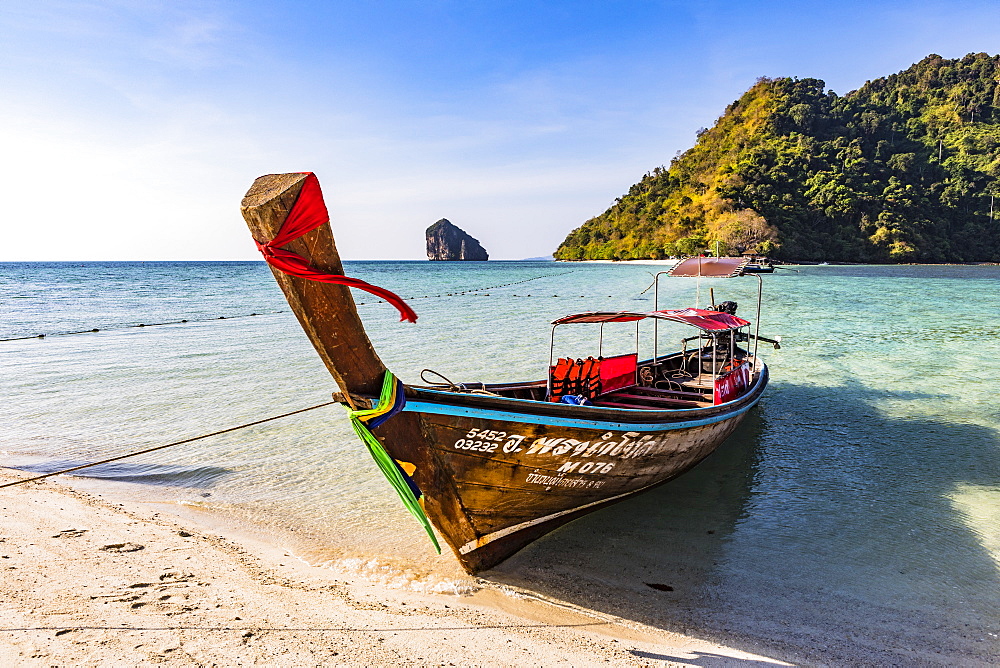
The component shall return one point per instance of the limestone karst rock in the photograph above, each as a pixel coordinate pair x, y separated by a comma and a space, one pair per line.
445, 241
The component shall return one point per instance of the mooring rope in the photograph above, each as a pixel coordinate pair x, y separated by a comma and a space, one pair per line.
391, 402
168, 445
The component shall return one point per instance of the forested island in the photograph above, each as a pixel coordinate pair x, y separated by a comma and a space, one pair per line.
904, 169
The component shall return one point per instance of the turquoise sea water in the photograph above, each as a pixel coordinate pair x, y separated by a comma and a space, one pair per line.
857, 507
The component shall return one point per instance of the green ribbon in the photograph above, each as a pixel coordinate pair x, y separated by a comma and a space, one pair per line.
388, 466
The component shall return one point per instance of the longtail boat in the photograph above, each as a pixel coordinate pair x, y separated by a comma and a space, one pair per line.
495, 466
758, 264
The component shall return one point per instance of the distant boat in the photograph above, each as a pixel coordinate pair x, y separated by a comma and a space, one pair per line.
494, 466
757, 264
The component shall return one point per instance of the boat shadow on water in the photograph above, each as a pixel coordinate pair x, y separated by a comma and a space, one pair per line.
823, 528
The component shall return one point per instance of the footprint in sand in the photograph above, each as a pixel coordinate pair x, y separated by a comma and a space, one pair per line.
70, 533
123, 547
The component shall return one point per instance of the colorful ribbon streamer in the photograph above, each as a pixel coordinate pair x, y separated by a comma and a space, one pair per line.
308, 213
391, 402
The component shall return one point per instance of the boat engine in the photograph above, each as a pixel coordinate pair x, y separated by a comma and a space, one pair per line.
726, 307
723, 345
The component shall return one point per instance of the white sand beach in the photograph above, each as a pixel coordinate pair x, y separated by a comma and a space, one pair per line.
87, 581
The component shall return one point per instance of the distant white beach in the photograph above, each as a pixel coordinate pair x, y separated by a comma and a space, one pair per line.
668, 263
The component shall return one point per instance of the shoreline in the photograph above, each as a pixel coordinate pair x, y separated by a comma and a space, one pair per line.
805, 263
91, 580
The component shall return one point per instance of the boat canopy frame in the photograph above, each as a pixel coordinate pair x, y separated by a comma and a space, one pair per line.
707, 267
707, 322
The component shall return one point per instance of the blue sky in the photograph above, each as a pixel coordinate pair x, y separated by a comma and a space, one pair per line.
130, 130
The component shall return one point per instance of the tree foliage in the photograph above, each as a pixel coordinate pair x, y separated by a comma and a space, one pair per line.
900, 170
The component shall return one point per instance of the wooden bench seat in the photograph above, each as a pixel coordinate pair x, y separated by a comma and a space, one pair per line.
625, 399
628, 396
658, 392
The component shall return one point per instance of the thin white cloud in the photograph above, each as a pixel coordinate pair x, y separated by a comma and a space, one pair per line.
139, 125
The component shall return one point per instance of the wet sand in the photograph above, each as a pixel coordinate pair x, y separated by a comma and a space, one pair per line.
87, 581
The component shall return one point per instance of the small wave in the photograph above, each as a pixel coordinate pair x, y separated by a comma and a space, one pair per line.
200, 477
396, 577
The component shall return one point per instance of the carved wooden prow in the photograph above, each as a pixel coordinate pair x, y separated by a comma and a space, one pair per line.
329, 317
326, 311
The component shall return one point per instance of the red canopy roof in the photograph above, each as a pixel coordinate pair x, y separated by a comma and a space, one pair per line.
712, 321
709, 267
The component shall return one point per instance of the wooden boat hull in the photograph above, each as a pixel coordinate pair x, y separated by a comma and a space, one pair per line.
498, 473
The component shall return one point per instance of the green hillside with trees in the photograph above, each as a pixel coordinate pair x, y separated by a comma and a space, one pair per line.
904, 169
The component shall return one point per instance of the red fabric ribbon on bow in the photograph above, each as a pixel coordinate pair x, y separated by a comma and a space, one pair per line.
308, 213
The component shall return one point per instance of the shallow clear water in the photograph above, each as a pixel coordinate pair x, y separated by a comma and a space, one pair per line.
859, 502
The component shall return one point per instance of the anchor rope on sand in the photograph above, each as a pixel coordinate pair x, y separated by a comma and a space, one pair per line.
168, 445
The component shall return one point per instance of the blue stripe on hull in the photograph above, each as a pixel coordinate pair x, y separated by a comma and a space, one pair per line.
504, 416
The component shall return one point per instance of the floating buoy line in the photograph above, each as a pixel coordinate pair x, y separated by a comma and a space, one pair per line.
382, 301
473, 292
140, 325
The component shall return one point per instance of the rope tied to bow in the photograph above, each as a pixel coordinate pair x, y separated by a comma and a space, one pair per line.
391, 402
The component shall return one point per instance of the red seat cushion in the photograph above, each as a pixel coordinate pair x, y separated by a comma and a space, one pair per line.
618, 372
